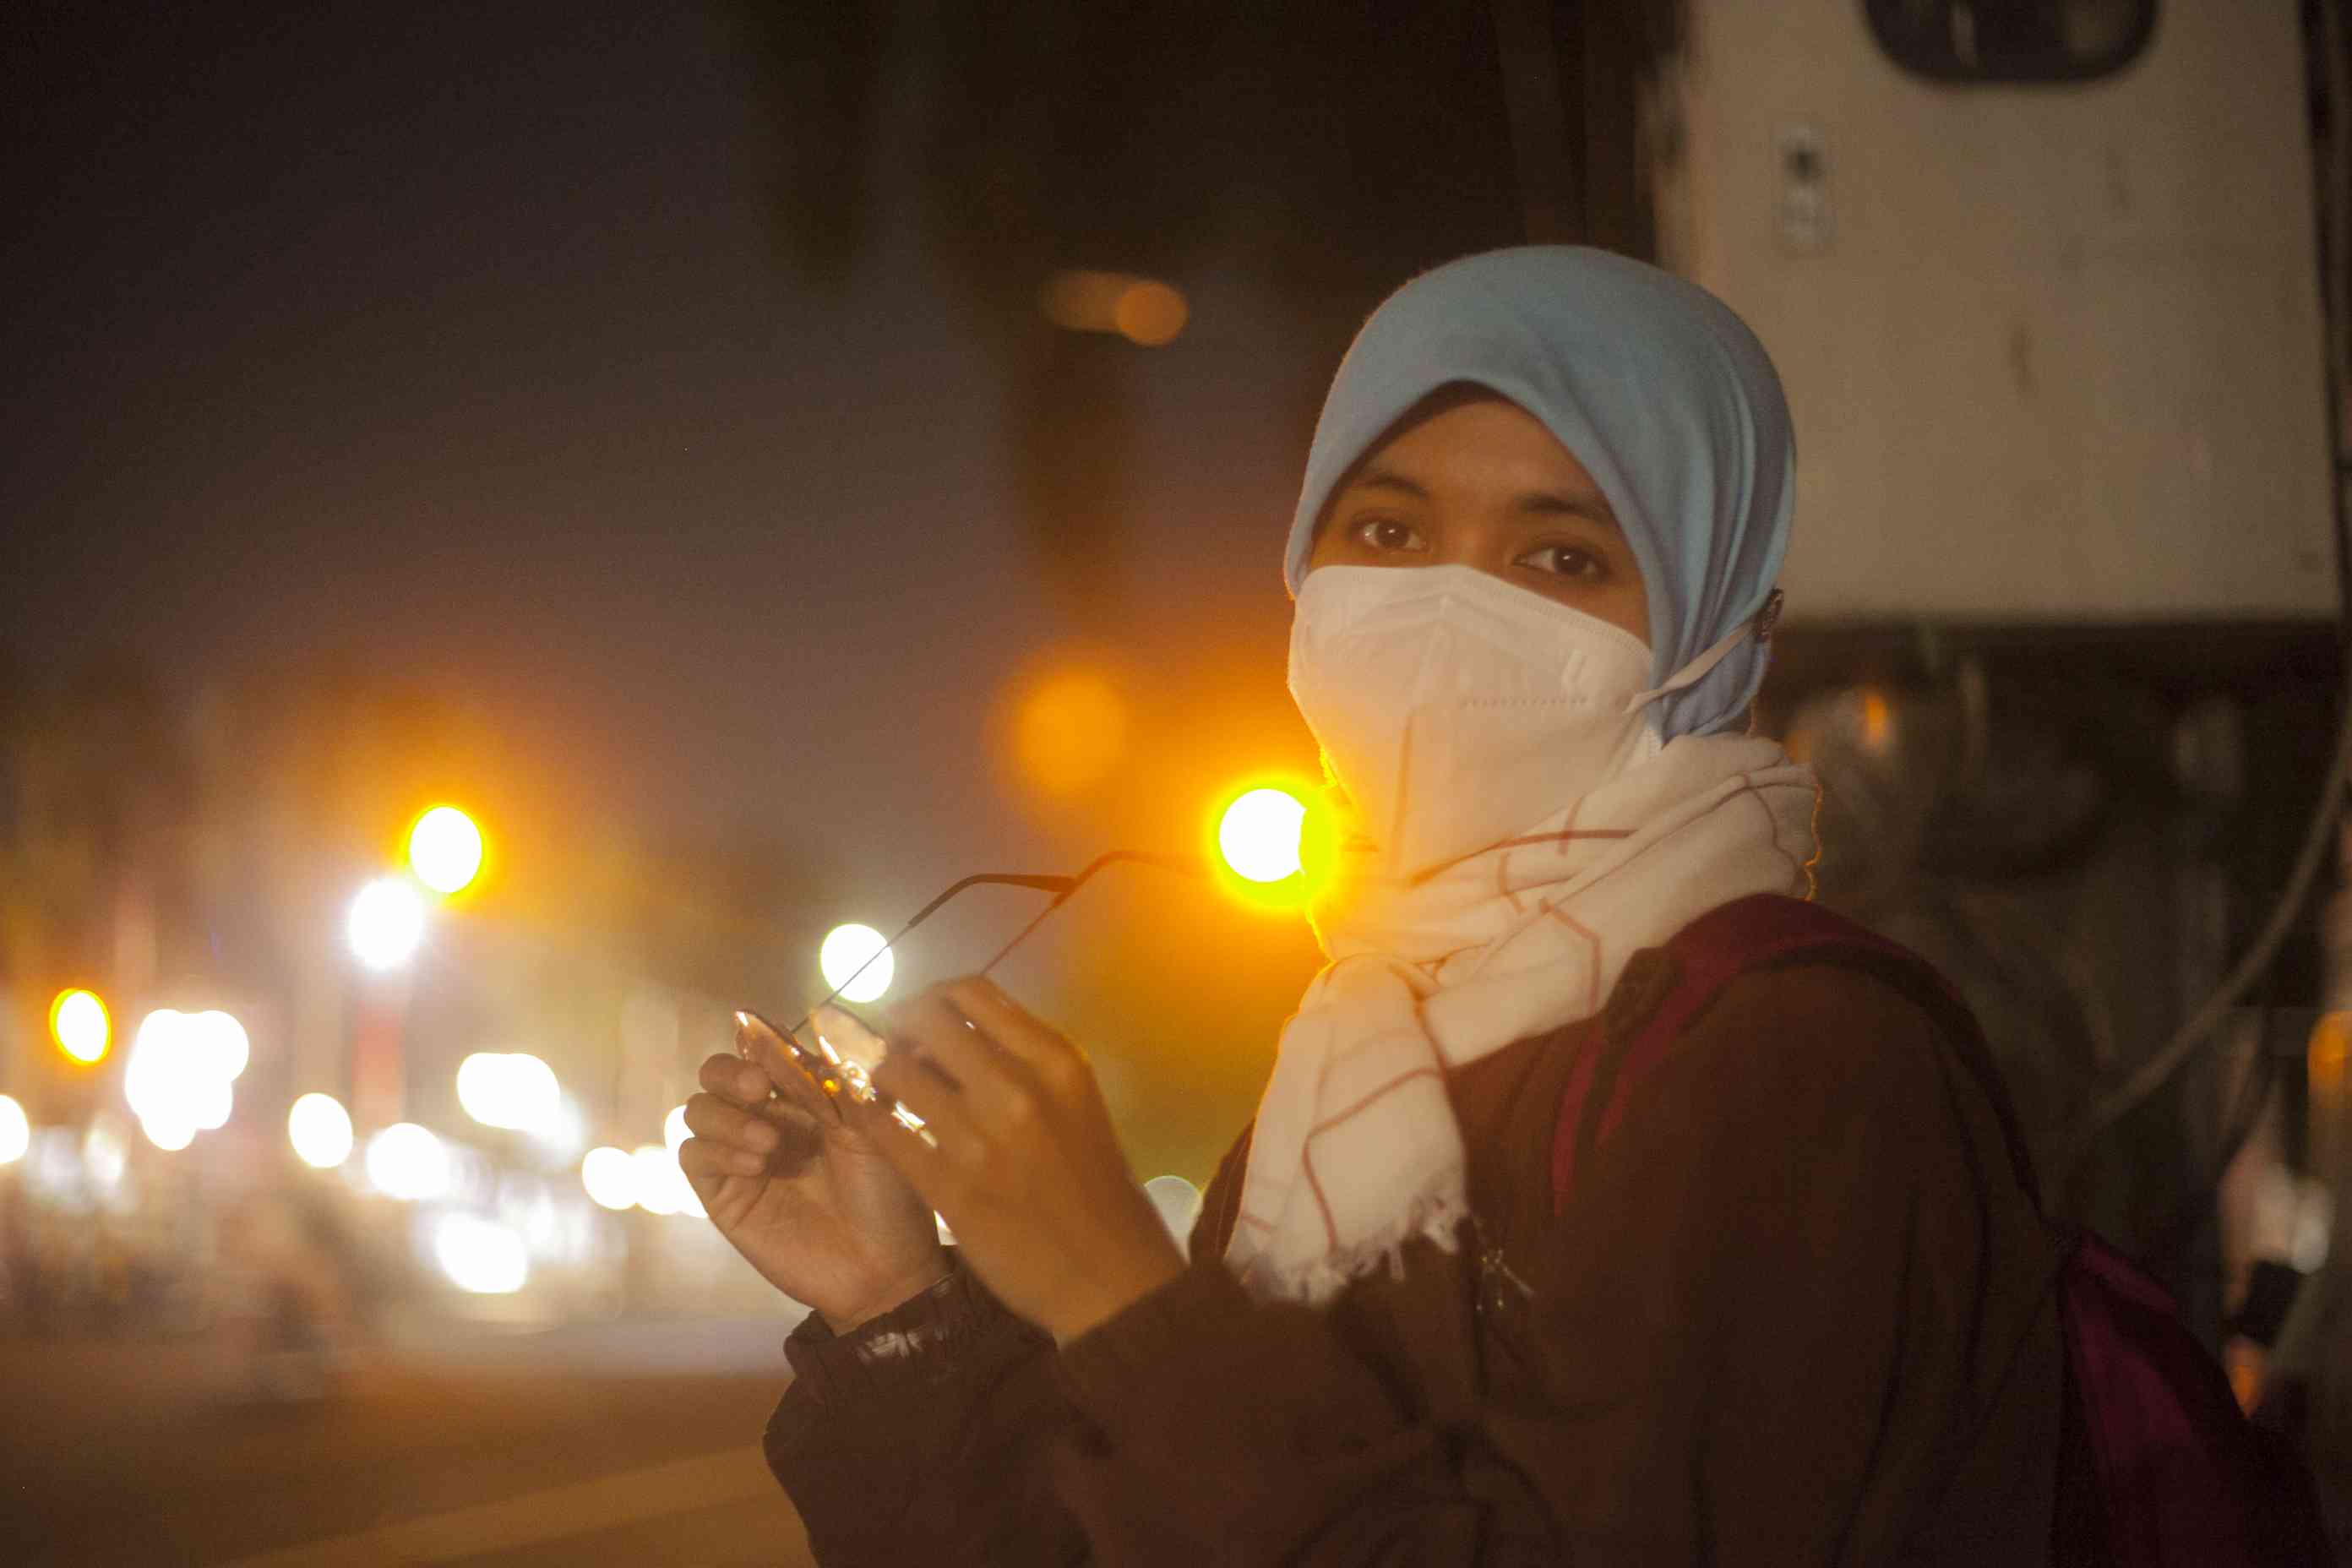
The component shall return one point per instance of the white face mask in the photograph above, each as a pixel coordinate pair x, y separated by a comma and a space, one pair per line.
1458, 710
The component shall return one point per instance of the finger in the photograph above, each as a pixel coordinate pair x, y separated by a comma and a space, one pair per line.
849, 1034
705, 1162
923, 1032
733, 1079
936, 1034
996, 1091
788, 1067
941, 1108
1018, 1032
708, 1116
918, 1156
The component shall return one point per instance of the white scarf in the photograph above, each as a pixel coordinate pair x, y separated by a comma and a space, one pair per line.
1355, 1150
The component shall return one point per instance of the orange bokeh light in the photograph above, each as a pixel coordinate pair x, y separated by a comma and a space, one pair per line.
1070, 731
1143, 311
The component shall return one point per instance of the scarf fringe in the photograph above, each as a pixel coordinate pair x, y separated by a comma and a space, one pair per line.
1437, 1218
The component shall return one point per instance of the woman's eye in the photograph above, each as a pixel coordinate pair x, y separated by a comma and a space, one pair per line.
1386, 533
1564, 561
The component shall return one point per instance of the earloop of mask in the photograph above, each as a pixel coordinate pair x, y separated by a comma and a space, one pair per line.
1759, 625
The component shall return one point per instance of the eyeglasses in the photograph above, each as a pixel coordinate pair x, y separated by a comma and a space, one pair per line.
835, 1072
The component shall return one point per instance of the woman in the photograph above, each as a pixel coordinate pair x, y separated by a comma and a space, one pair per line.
1797, 1309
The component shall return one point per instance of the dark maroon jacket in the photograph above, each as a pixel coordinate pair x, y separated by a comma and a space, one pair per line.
1798, 1311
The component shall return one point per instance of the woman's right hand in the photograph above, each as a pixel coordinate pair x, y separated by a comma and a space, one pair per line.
802, 1195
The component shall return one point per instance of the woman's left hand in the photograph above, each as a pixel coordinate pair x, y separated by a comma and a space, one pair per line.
1027, 1171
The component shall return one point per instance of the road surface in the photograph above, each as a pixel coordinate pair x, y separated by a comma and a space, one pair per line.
624, 1443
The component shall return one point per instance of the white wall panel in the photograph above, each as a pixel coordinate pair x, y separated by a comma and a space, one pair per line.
2055, 352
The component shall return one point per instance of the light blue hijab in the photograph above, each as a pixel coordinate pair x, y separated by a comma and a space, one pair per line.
1664, 395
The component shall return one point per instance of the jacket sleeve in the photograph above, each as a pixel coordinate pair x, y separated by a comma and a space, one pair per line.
920, 1437
1788, 1231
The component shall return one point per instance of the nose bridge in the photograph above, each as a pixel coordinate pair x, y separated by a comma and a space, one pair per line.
1465, 536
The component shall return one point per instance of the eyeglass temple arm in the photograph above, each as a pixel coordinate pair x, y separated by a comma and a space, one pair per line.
1184, 865
1061, 887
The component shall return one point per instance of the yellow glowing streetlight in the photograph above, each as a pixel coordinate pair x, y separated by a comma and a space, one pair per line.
1270, 845
1259, 833
78, 1022
445, 849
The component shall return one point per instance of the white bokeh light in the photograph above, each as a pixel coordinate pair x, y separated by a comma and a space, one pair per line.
408, 1161
1179, 1202
220, 1045
480, 1256
320, 1131
104, 1156
844, 953
674, 1130
168, 1133
387, 922
656, 1173
513, 1089
611, 1177
16, 1131
177, 1080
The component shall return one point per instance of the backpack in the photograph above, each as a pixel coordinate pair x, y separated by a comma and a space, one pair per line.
2156, 1464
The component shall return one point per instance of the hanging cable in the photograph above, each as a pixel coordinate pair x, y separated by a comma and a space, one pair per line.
2334, 191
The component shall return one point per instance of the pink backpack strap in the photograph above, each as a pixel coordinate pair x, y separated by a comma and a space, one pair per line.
1762, 931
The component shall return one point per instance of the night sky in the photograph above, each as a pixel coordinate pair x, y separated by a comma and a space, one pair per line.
463, 350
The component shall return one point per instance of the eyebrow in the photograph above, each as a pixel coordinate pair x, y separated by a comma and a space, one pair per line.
1593, 507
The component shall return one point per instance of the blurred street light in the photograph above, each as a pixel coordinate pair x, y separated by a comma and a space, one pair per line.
844, 953
1259, 833
445, 849
168, 1133
674, 1130
611, 1178
221, 1045
513, 1089
1273, 845
1069, 731
387, 922
1179, 1202
16, 1131
1143, 311
480, 1256
103, 1156
320, 1131
408, 1163
79, 1024
176, 1080
652, 1167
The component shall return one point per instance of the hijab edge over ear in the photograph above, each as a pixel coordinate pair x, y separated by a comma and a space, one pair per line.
1655, 386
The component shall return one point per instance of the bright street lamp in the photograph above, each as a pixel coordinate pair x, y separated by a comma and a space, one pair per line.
408, 1161
1259, 833
845, 953
512, 1090
387, 922
15, 1132
320, 1131
445, 849
78, 1023
611, 1178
